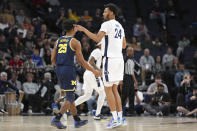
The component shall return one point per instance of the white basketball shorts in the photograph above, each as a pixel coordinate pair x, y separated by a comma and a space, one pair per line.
113, 70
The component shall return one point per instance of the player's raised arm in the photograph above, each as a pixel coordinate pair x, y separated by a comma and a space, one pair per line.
53, 55
77, 46
96, 37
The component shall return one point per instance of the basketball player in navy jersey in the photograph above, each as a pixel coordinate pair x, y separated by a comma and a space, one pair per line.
63, 53
112, 33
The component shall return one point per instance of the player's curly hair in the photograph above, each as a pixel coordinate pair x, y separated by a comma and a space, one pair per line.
68, 25
112, 7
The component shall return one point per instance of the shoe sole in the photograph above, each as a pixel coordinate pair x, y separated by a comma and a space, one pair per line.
114, 126
81, 125
53, 124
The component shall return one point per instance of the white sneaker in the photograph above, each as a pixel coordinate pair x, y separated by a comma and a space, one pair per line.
159, 113
3, 112
64, 119
29, 111
122, 122
113, 124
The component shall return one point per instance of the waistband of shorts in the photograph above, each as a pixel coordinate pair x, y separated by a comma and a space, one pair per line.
112, 57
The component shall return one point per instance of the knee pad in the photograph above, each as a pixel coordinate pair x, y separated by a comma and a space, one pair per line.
70, 96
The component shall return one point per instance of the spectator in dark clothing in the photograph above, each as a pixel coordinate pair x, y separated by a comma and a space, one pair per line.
46, 92
4, 86
47, 58
147, 43
185, 87
61, 18
97, 20
43, 50
11, 31
171, 10
157, 12
29, 43
140, 29
4, 47
191, 103
17, 46
160, 102
37, 27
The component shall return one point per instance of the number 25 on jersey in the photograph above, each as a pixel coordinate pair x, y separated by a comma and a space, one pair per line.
62, 48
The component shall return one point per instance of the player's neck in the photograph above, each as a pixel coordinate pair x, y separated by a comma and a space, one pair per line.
70, 34
112, 18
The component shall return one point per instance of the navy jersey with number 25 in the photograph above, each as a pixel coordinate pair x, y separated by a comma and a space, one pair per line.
65, 70
64, 53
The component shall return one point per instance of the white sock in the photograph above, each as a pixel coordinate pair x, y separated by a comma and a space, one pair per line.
100, 102
115, 116
120, 115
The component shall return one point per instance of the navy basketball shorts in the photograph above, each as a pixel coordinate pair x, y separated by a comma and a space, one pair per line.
67, 79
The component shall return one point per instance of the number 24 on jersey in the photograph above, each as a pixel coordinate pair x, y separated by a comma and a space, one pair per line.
118, 33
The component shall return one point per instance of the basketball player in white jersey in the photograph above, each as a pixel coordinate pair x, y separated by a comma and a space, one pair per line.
113, 65
91, 82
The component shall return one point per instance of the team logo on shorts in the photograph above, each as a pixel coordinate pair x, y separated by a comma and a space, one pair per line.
73, 82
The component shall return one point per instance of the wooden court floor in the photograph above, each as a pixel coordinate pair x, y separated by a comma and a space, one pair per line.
42, 123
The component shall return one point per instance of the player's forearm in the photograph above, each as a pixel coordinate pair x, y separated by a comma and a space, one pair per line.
91, 35
87, 66
91, 62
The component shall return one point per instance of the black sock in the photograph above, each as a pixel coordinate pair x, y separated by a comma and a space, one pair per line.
58, 116
76, 118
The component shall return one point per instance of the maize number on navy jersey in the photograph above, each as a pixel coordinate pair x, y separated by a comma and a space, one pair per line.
62, 48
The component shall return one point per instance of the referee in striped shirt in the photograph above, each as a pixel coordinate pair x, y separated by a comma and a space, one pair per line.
129, 82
